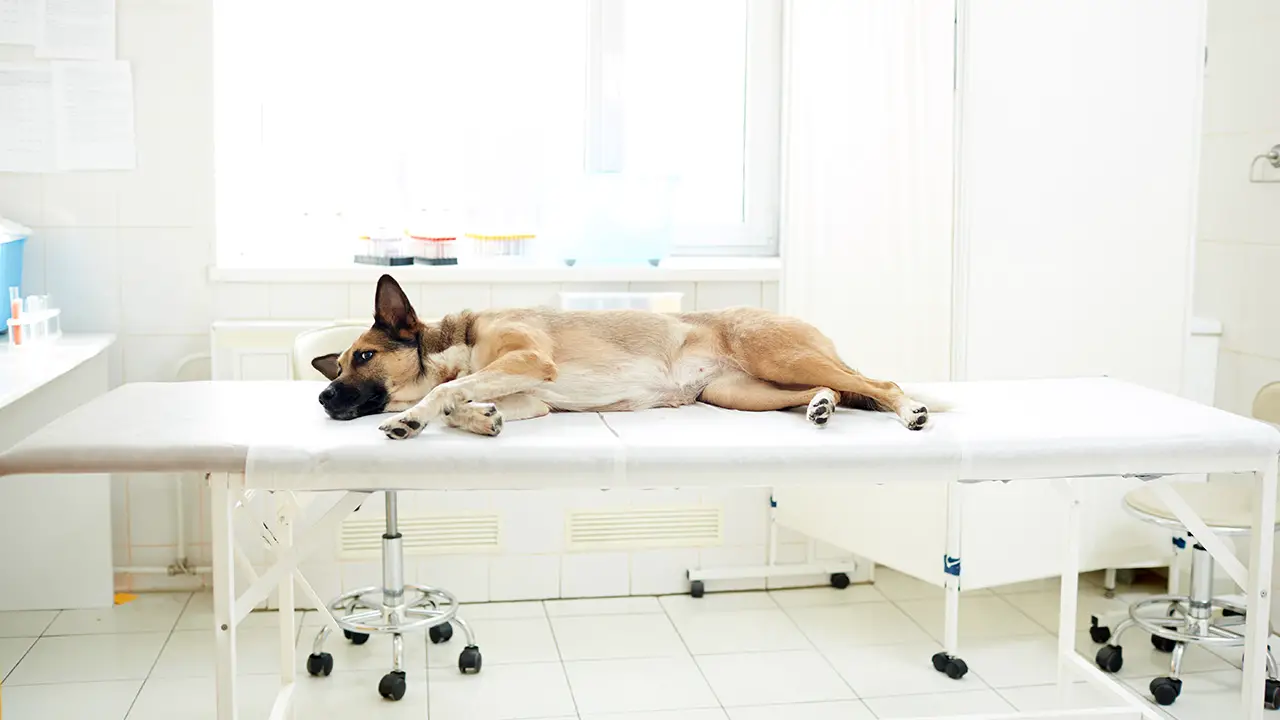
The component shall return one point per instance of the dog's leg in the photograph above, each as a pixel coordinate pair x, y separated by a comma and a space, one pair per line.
856, 390
513, 372
739, 391
487, 418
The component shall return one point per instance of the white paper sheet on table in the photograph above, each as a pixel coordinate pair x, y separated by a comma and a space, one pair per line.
93, 116
78, 30
26, 118
21, 22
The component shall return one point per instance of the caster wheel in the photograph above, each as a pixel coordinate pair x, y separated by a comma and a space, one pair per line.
321, 664
697, 589
940, 661
392, 685
358, 638
1165, 690
1164, 645
1110, 658
956, 669
469, 660
1098, 633
440, 633
1228, 612
346, 634
839, 581
1271, 695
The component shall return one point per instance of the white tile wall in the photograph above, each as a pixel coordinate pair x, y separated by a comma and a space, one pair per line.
129, 252
1238, 254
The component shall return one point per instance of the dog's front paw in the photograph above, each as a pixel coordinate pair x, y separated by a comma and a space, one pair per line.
402, 426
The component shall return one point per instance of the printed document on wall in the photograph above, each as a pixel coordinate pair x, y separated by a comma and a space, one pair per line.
93, 116
21, 22
78, 30
26, 118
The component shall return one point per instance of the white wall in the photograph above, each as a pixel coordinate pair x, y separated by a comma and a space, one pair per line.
129, 253
1238, 253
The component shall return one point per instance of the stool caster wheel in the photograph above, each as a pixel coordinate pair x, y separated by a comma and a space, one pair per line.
356, 638
440, 633
839, 581
321, 664
1165, 690
1164, 645
1271, 695
697, 589
469, 660
1098, 633
1228, 612
954, 667
392, 685
1110, 658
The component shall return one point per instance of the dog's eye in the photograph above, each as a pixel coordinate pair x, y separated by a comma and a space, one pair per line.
364, 356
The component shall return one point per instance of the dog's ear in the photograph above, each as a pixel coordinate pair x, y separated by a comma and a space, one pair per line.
327, 365
392, 311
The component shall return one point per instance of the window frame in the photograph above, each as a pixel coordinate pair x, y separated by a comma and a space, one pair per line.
239, 94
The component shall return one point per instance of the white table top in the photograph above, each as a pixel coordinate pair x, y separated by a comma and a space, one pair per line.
1002, 430
27, 368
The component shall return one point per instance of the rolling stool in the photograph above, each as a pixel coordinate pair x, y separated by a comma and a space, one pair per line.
1181, 620
394, 609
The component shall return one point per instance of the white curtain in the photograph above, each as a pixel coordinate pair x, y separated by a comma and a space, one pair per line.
867, 180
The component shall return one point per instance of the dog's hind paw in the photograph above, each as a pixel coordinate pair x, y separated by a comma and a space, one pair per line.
402, 426
481, 418
913, 414
821, 407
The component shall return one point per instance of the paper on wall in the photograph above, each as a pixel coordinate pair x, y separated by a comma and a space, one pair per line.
21, 22
26, 118
93, 116
78, 30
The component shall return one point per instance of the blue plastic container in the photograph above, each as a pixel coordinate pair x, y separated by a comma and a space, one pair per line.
10, 275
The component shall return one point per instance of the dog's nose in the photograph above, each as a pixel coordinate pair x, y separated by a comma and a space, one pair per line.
327, 394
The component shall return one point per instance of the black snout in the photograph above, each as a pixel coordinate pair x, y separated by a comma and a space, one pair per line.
344, 401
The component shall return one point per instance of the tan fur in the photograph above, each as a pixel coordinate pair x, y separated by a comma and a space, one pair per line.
471, 367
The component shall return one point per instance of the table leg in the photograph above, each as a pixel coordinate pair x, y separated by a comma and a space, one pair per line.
222, 508
952, 566
288, 632
1067, 598
1258, 612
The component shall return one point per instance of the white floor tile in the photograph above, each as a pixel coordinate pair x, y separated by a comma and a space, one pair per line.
97, 700
1039, 698
198, 615
11, 651
980, 617
195, 698
25, 623
900, 586
773, 678
603, 637
702, 714
501, 642
88, 658
1205, 696
148, 613
936, 706
1013, 662
502, 692
819, 596
844, 710
502, 610
192, 653
887, 670
617, 686
603, 606
740, 631
842, 626
1042, 607
716, 602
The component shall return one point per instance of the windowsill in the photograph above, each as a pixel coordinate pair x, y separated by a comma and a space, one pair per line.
677, 269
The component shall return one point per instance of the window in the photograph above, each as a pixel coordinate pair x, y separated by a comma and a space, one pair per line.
494, 116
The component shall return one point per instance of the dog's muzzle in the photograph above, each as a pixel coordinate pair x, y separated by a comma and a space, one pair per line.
347, 402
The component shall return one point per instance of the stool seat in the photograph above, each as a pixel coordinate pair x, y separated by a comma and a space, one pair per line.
1224, 505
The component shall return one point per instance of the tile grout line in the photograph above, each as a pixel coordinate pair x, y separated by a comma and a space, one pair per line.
560, 656
155, 662
667, 614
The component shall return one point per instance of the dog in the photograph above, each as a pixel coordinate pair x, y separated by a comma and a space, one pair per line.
476, 370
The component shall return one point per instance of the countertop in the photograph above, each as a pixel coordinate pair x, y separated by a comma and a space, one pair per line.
23, 370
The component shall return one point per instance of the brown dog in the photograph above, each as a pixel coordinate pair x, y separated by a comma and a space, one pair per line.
472, 370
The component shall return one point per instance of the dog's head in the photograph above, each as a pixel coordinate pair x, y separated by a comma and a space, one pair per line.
396, 361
